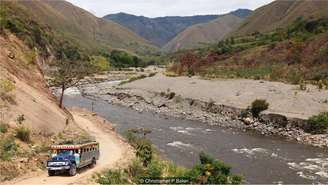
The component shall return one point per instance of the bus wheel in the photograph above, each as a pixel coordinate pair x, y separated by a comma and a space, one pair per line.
72, 170
93, 163
51, 173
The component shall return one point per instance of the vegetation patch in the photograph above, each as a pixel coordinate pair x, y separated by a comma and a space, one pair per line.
8, 148
133, 79
3, 128
293, 54
258, 106
208, 171
23, 133
318, 124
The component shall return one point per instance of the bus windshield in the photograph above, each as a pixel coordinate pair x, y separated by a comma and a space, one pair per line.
65, 152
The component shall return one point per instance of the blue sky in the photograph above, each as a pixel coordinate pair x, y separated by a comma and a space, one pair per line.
158, 8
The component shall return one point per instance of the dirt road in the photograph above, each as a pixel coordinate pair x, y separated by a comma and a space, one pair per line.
113, 152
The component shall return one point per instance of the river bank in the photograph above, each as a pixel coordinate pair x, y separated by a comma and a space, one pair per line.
185, 103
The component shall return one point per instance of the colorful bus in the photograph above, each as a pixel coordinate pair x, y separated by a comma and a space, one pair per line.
70, 157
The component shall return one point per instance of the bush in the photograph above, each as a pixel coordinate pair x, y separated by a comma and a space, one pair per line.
155, 169
3, 128
258, 106
113, 177
211, 171
136, 170
8, 148
318, 124
23, 134
144, 151
171, 95
20, 119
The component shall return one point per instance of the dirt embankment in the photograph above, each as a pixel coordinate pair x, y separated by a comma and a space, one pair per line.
114, 152
31, 96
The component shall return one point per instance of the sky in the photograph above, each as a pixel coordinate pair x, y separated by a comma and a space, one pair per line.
159, 8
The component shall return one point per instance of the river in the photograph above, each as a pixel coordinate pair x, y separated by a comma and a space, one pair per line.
259, 159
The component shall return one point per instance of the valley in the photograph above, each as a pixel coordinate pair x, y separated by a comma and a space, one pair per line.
178, 136
233, 93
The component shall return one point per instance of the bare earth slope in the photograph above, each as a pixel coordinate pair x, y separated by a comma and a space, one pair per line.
284, 99
114, 153
31, 96
199, 34
281, 13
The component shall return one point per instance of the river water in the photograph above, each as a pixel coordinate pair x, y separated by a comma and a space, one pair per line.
257, 158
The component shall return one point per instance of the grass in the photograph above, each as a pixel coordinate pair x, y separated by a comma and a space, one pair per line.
23, 133
8, 148
3, 127
133, 79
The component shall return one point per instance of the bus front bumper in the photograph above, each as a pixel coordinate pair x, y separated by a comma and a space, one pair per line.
58, 168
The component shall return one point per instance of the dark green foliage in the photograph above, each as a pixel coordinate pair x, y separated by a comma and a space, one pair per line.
8, 148
258, 106
121, 59
318, 124
23, 134
211, 171
144, 151
205, 158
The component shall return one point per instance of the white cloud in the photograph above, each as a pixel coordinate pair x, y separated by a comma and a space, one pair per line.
158, 8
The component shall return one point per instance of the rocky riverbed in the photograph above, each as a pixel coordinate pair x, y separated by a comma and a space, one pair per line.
171, 104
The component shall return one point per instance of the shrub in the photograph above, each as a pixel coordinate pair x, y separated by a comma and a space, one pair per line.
155, 169
23, 134
318, 124
144, 151
302, 86
136, 170
113, 177
3, 128
152, 74
171, 95
8, 148
20, 119
258, 106
211, 171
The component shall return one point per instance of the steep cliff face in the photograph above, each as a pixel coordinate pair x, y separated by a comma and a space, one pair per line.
30, 95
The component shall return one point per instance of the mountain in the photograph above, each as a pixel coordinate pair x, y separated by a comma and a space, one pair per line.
280, 14
82, 27
161, 30
199, 34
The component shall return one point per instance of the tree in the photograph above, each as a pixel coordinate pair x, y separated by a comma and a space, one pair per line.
69, 73
188, 60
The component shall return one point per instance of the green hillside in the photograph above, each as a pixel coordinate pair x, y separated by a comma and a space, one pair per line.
80, 26
280, 14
